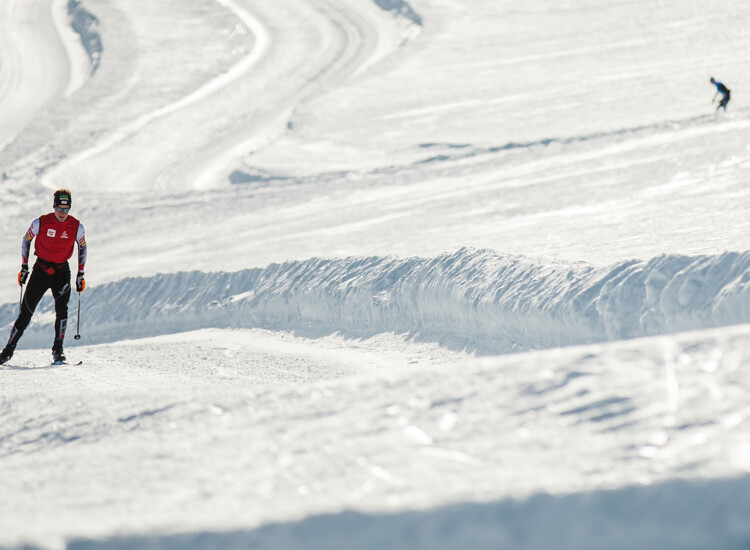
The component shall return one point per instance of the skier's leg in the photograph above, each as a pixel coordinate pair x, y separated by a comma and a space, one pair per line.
39, 282
61, 293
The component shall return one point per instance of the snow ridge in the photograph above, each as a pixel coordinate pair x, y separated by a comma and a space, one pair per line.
477, 300
87, 27
400, 8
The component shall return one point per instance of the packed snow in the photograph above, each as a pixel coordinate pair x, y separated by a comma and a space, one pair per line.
380, 274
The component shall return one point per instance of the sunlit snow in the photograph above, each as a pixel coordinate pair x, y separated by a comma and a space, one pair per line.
381, 274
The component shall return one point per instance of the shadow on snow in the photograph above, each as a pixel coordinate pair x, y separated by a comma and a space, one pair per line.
677, 514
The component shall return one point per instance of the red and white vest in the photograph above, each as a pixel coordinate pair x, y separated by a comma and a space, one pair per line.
56, 240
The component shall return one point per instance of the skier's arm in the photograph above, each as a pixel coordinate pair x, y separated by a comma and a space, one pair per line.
26, 241
81, 240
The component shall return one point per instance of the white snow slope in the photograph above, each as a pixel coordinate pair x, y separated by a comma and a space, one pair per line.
381, 274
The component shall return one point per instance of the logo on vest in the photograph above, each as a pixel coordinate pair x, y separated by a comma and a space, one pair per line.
64, 235
51, 232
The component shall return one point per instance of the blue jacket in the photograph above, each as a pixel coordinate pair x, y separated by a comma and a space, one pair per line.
721, 89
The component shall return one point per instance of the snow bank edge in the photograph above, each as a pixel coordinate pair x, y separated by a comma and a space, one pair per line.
478, 300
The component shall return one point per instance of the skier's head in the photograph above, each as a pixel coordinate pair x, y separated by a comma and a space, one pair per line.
62, 202
63, 198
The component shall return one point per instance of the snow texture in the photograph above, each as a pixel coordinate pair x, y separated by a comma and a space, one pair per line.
650, 514
475, 299
86, 25
377, 274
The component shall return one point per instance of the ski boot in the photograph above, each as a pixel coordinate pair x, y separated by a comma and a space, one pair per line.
6, 354
57, 351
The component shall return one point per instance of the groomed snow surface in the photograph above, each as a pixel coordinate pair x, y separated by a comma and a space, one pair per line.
380, 274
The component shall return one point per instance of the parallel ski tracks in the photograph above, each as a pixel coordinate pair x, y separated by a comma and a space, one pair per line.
349, 49
347, 41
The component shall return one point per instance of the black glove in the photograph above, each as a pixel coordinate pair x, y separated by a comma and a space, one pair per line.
23, 274
80, 282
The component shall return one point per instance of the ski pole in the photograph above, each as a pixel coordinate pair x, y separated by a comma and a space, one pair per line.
20, 301
78, 319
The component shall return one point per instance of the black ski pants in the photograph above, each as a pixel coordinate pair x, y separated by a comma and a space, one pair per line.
54, 277
724, 101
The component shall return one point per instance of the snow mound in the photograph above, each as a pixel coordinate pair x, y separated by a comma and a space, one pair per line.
476, 300
400, 9
87, 26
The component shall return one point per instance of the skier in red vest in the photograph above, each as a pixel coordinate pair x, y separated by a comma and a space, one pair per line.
56, 235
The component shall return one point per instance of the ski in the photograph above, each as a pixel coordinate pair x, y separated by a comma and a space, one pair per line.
58, 363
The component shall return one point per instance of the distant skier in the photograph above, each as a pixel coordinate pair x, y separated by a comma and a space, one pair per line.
56, 236
724, 91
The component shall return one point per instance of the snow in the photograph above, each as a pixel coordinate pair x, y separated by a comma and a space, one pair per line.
474, 300
427, 274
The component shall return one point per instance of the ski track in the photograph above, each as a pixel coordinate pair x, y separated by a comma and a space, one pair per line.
84, 28
33, 73
86, 25
207, 160
211, 87
474, 300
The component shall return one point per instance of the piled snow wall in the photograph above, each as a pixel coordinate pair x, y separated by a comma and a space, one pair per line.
477, 300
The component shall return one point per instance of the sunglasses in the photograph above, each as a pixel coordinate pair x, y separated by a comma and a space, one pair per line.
62, 210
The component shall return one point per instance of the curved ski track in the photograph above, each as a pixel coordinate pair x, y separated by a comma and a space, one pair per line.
33, 66
239, 110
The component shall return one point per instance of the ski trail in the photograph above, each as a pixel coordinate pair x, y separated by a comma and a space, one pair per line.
34, 68
78, 61
349, 40
262, 40
275, 124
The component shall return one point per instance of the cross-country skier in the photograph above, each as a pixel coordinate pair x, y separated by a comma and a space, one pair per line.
56, 235
724, 91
